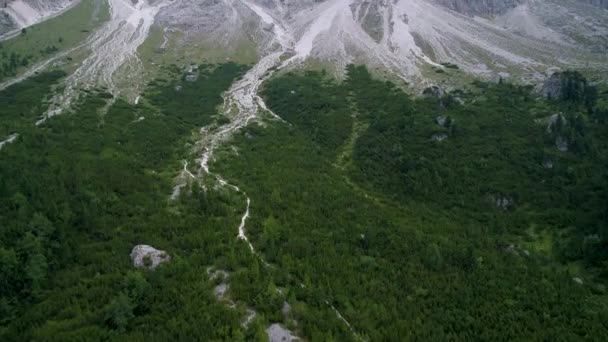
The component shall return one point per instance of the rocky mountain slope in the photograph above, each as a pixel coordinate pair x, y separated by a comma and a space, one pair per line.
414, 40
483, 37
480, 7
19, 14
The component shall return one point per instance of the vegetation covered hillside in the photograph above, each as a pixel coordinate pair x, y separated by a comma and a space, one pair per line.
474, 215
450, 217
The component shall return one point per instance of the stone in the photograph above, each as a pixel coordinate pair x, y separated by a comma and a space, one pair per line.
503, 202
144, 256
277, 333
441, 120
439, 137
562, 144
553, 121
221, 290
191, 77
551, 88
433, 91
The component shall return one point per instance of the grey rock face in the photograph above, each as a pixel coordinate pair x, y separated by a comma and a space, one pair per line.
552, 87
480, 7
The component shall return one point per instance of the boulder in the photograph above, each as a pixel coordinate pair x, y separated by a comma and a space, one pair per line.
278, 333
441, 120
144, 256
554, 121
439, 137
433, 91
220, 290
561, 143
552, 87
192, 77
503, 202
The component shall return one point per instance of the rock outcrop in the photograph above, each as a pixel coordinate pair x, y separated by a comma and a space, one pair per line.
434, 92
144, 256
278, 333
551, 88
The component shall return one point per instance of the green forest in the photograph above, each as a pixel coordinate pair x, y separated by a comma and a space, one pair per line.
479, 214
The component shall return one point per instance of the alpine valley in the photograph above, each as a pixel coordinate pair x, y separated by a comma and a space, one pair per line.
303, 170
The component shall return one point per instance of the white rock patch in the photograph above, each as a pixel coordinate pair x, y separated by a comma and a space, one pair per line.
277, 333
144, 256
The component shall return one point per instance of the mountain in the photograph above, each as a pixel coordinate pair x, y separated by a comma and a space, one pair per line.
410, 38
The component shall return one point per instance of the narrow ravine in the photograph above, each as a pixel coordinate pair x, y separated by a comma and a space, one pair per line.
242, 104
